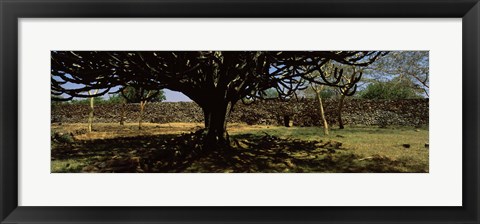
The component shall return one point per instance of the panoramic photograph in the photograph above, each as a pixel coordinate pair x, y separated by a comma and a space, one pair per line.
239, 111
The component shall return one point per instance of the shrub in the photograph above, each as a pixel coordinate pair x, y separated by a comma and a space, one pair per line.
391, 90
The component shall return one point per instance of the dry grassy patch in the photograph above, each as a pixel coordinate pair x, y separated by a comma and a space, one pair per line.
115, 130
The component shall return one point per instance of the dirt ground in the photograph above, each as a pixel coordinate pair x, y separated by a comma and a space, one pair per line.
115, 130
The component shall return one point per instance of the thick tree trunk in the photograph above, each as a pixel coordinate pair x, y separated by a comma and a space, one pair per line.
206, 116
340, 108
322, 112
286, 121
217, 136
140, 117
90, 115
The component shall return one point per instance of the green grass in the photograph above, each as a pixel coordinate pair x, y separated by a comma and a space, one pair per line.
363, 149
67, 166
366, 142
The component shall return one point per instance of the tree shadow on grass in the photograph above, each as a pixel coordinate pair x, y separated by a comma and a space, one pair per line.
248, 153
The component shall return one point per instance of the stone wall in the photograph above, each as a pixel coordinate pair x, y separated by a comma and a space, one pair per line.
412, 112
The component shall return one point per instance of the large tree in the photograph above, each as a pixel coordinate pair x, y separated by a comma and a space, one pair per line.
215, 80
410, 67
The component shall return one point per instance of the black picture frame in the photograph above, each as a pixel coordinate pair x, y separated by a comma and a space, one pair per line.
11, 11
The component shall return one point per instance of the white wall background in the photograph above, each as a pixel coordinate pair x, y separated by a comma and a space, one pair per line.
442, 186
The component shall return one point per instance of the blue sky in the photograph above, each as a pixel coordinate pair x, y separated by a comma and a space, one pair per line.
171, 96
174, 96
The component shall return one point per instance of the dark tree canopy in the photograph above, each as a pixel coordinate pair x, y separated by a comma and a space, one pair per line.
215, 80
241, 73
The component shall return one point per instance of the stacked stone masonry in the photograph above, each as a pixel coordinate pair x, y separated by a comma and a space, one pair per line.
305, 112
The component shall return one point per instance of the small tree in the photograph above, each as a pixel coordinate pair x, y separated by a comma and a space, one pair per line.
138, 94
117, 98
318, 93
347, 79
327, 93
90, 114
344, 92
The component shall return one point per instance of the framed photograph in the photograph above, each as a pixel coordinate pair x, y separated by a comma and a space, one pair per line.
239, 112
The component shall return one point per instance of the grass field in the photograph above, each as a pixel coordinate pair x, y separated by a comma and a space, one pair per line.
260, 149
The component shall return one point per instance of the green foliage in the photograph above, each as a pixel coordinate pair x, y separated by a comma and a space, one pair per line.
326, 93
61, 137
271, 93
86, 101
68, 166
115, 99
411, 65
394, 89
135, 95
